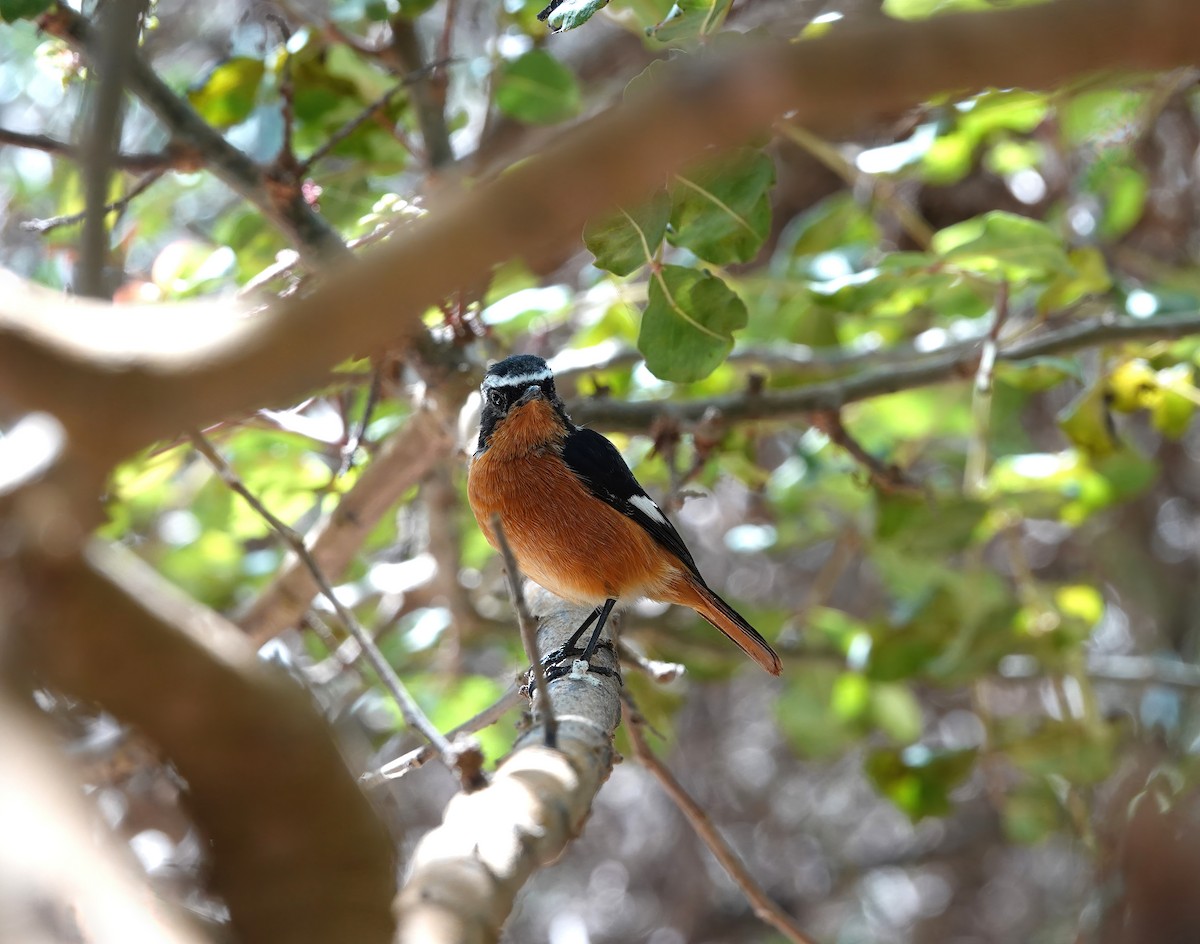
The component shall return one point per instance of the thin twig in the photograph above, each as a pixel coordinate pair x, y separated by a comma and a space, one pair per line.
359, 433
887, 478
174, 156
981, 400
661, 672
406, 763
766, 909
353, 124
408, 706
919, 231
528, 631
117, 206
287, 211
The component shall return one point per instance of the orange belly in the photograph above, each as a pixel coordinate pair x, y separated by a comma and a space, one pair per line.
570, 542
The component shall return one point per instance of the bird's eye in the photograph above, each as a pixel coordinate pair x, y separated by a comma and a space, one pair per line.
496, 399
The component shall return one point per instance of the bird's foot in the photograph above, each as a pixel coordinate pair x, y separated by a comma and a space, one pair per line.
569, 653
567, 660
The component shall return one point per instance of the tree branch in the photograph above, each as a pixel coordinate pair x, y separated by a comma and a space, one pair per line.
766, 909
429, 106
175, 156
622, 154
465, 875
116, 44
414, 717
297, 852
286, 210
61, 882
955, 363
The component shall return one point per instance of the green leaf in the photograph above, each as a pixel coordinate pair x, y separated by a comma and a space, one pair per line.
805, 716
1177, 400
691, 19
1031, 812
896, 711
13, 10
688, 323
918, 779
571, 14
537, 88
1079, 753
227, 94
414, 8
628, 239
1015, 247
721, 210
917, 526
1087, 422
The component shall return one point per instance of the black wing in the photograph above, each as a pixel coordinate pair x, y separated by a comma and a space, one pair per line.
600, 467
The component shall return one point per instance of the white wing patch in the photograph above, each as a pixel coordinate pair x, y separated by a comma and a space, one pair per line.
646, 506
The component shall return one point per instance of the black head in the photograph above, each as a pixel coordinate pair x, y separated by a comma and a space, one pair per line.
511, 384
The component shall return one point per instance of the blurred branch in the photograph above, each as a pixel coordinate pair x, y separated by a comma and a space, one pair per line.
175, 156
858, 69
413, 715
116, 43
428, 99
61, 882
297, 852
117, 206
766, 909
887, 478
285, 208
955, 363
395, 769
909, 218
466, 873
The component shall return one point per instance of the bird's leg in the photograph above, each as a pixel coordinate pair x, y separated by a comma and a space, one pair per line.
553, 661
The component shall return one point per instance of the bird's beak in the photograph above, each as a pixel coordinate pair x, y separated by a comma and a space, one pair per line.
532, 393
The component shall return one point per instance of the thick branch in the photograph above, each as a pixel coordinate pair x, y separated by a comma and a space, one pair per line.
58, 882
298, 854
429, 104
465, 875
621, 154
956, 363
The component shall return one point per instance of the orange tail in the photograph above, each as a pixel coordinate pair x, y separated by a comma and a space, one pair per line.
729, 621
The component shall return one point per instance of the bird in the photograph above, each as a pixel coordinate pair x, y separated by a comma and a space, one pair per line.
578, 522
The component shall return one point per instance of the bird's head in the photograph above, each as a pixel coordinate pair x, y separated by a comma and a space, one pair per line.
520, 403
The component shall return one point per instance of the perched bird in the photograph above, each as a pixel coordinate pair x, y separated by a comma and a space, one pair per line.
577, 520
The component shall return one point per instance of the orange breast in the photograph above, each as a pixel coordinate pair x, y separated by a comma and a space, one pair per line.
568, 541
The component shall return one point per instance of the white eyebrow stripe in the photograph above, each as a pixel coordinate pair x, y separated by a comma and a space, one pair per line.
647, 507
517, 380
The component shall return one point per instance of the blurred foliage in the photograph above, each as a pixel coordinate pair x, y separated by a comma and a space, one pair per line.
978, 593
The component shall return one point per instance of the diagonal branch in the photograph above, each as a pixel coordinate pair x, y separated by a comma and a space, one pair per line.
766, 909
409, 708
297, 852
465, 875
283, 207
